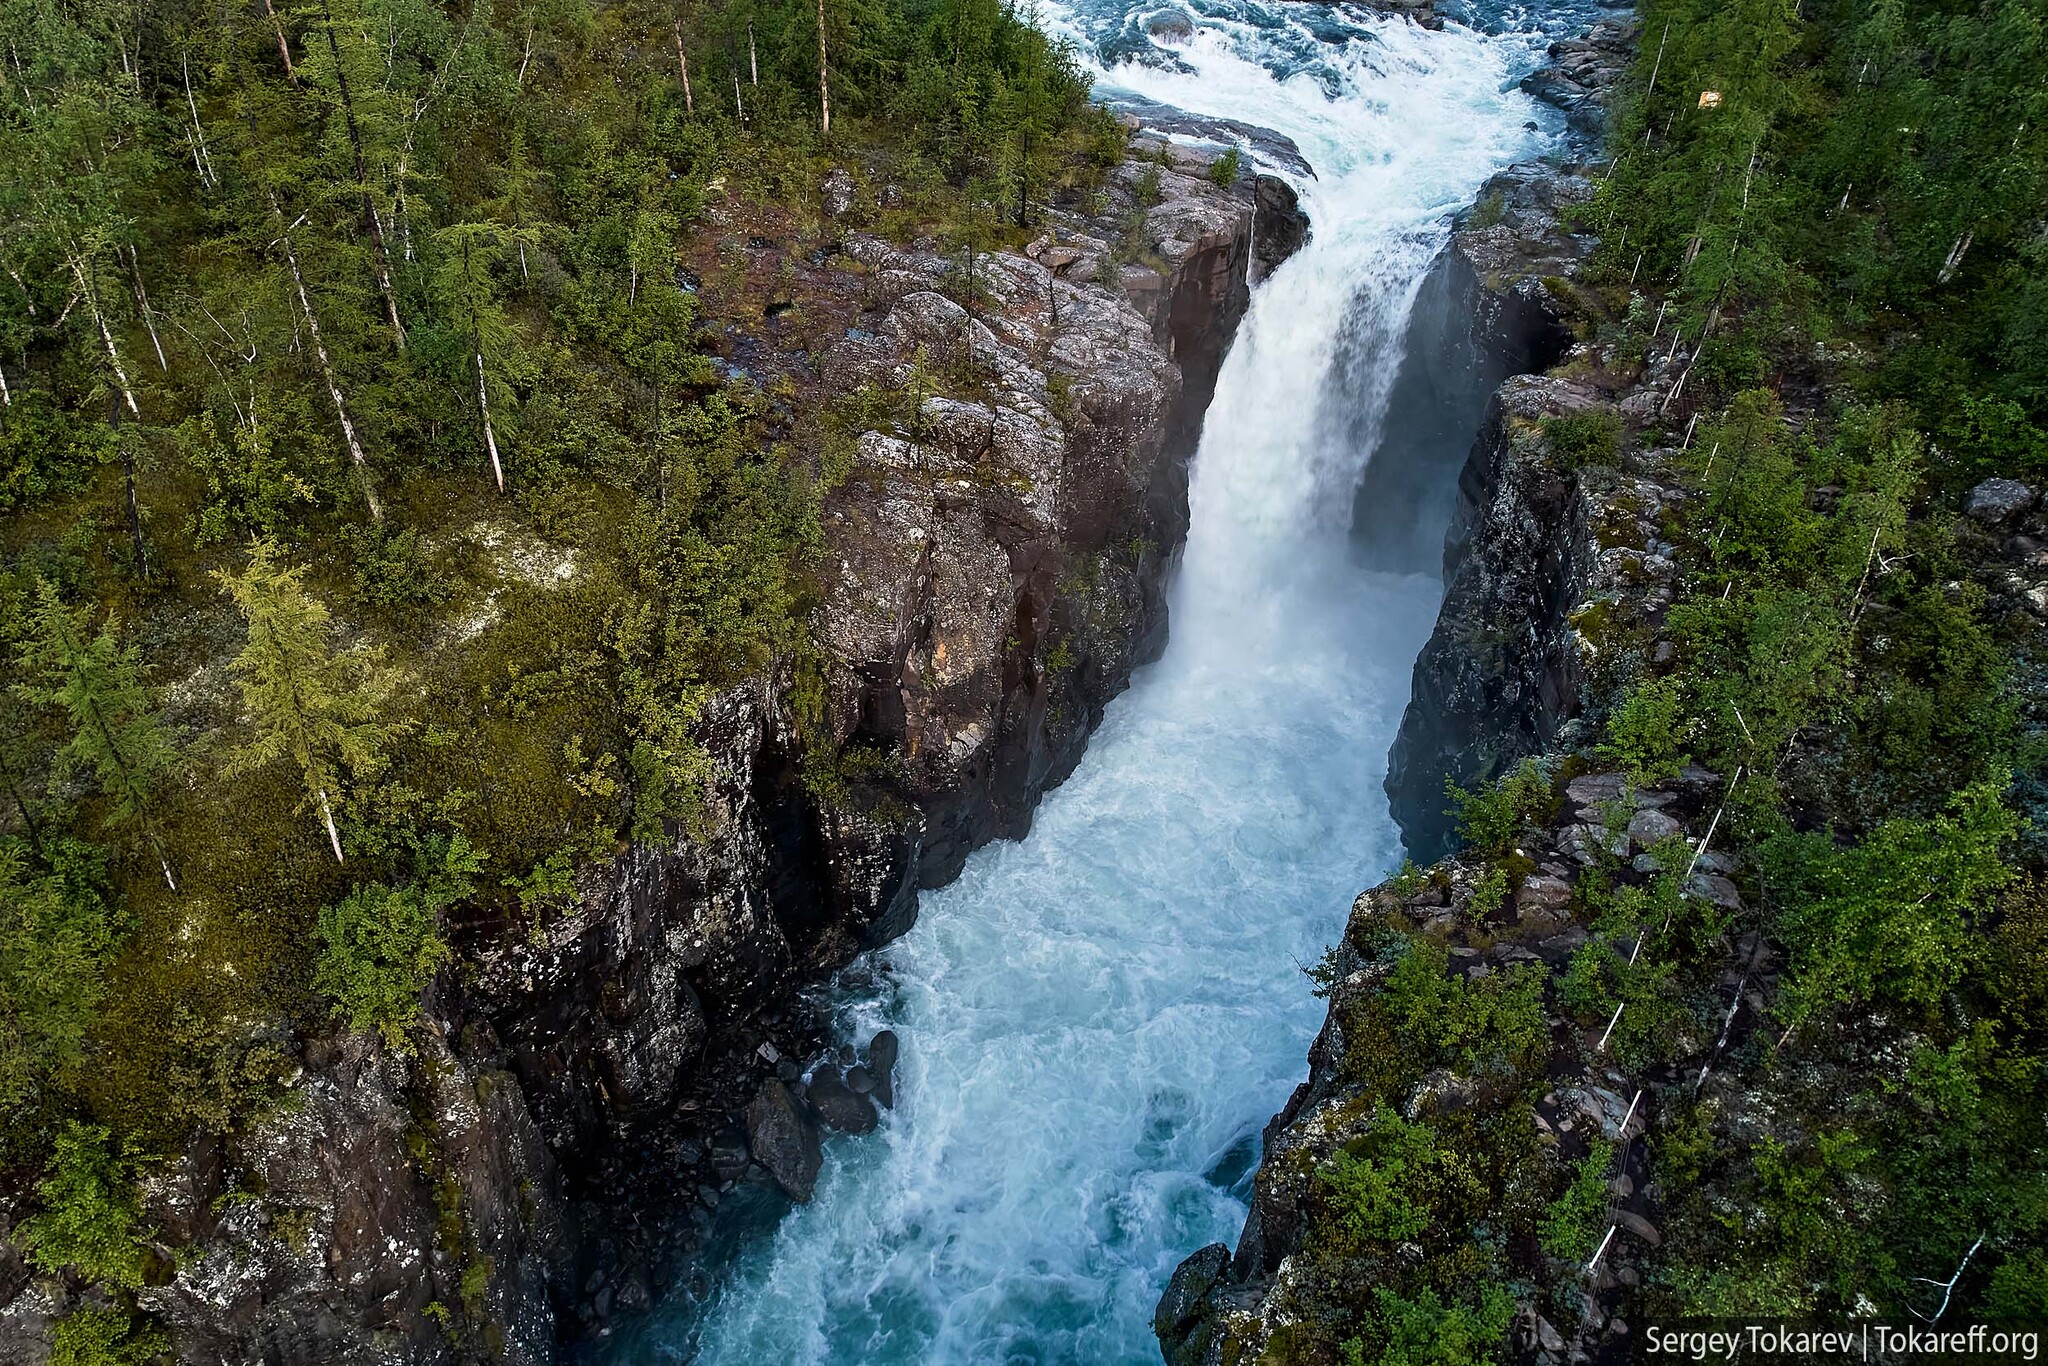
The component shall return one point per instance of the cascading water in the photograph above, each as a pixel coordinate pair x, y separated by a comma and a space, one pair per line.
1096, 1021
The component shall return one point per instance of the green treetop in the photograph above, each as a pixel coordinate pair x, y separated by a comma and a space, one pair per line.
114, 735
306, 707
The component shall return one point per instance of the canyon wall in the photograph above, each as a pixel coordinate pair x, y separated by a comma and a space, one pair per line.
589, 1088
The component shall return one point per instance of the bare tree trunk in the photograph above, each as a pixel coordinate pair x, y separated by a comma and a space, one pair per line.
333, 835
380, 262
483, 403
753, 58
348, 427
824, 88
201, 157
99, 319
283, 48
6, 394
683, 61
738, 107
142, 306
525, 57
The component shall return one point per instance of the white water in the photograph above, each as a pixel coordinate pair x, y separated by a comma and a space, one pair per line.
1097, 1021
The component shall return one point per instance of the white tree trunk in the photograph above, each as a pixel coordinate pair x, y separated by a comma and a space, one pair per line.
99, 319
683, 61
824, 88
333, 835
483, 403
348, 427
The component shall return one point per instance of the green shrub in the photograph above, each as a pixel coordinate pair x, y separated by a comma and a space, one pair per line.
382, 944
1423, 1330
1490, 818
91, 1215
1223, 171
1575, 1221
1492, 1025
1374, 1187
105, 1337
1579, 440
1647, 732
54, 943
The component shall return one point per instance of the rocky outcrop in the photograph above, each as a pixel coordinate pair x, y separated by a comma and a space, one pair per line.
1582, 73
393, 1206
1285, 1287
1482, 313
1499, 673
547, 1154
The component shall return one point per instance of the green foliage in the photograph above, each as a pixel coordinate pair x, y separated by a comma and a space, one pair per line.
1425, 1331
1372, 1185
1573, 1224
1647, 731
381, 944
1492, 1025
90, 1220
1888, 921
94, 681
1579, 440
1224, 170
105, 1337
306, 708
55, 939
1490, 818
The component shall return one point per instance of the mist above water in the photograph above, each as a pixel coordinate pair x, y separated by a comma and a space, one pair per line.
1097, 1020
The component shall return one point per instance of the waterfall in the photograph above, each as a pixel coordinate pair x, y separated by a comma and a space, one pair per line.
1098, 1020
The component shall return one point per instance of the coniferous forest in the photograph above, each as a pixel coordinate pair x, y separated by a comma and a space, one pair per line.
338, 338
377, 519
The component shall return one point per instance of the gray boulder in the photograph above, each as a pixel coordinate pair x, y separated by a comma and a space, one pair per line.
1998, 500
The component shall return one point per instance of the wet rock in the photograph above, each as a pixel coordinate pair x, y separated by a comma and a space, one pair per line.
1998, 500
1182, 1304
1280, 227
783, 1140
838, 1106
860, 1081
882, 1051
1170, 26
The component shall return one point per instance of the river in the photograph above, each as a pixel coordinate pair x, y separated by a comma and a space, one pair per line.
1098, 1020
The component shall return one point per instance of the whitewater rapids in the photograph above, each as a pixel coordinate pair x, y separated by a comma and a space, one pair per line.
1097, 1021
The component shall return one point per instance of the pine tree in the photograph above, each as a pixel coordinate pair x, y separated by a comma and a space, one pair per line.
114, 735
305, 705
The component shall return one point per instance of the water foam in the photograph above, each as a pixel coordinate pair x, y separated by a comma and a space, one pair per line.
1097, 1020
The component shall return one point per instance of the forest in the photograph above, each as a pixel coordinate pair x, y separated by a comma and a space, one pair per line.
1828, 221
365, 471
1851, 238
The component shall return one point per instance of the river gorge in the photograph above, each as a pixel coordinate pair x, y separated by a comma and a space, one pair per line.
1096, 1020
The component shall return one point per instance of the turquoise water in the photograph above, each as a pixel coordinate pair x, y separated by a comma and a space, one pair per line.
1098, 1020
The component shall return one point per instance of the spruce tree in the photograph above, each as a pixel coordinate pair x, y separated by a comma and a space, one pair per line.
305, 705
114, 735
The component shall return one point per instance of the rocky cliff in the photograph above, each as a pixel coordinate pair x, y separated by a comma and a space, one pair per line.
1499, 674
1005, 439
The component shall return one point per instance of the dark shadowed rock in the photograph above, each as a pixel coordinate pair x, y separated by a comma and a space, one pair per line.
838, 1105
783, 1140
1279, 226
1998, 500
882, 1067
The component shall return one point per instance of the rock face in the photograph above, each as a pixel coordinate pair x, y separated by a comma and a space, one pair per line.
389, 1186
1481, 315
1279, 227
1500, 672
993, 570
